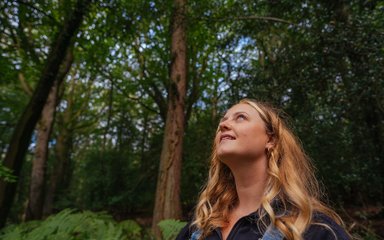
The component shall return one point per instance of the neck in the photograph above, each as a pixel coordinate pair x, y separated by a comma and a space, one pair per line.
250, 179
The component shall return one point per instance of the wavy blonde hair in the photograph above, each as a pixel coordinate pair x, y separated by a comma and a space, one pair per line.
291, 182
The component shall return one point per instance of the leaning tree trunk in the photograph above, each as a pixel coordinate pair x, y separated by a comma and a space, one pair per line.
167, 202
34, 208
60, 174
36, 188
27, 122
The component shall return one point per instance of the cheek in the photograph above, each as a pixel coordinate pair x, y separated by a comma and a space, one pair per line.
256, 137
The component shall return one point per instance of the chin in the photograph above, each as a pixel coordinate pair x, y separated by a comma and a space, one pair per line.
233, 157
227, 156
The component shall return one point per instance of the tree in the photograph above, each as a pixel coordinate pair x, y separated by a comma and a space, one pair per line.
34, 209
167, 202
26, 124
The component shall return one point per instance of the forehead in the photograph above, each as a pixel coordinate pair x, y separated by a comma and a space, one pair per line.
242, 107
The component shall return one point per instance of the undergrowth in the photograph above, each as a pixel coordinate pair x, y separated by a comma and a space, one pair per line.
70, 224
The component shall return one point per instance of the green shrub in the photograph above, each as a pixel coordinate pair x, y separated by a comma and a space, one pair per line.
170, 228
131, 229
6, 174
125, 186
72, 225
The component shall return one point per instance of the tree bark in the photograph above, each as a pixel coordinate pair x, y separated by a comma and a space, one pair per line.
36, 190
60, 175
59, 178
34, 208
23, 131
167, 202
109, 117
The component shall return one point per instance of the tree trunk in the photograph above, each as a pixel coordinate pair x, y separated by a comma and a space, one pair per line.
106, 138
23, 131
60, 176
144, 165
167, 202
36, 191
34, 209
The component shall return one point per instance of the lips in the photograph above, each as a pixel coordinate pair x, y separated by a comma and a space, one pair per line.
226, 137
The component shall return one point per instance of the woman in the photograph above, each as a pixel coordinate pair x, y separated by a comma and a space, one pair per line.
261, 184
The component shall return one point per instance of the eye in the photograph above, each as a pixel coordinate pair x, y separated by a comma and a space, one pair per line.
241, 117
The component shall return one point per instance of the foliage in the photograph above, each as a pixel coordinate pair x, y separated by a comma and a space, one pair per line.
69, 224
170, 228
6, 174
322, 63
112, 180
200, 134
131, 229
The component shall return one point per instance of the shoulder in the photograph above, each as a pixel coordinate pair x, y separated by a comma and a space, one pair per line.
324, 227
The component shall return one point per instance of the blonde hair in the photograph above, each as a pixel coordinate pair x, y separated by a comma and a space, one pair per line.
291, 183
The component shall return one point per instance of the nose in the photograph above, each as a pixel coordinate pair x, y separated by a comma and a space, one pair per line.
224, 126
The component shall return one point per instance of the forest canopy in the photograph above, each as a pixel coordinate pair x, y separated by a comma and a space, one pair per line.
92, 93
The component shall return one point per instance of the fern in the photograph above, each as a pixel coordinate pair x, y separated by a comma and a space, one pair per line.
59, 226
131, 229
12, 232
170, 228
71, 225
18, 231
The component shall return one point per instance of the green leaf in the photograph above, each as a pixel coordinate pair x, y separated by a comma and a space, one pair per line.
170, 228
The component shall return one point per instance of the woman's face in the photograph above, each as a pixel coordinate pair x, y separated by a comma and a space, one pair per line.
242, 135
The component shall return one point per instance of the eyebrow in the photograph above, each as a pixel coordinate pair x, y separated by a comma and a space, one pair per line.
234, 114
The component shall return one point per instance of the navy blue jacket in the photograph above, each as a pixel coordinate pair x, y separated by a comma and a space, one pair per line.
246, 228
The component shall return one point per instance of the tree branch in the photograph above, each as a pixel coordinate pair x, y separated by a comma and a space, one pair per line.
24, 84
40, 11
263, 18
155, 94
